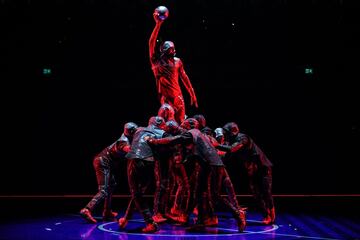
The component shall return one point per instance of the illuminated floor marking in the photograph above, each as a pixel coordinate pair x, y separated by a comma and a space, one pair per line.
232, 232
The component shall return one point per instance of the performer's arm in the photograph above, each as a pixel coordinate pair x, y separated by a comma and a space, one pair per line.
184, 138
153, 37
233, 148
222, 147
123, 145
164, 141
185, 79
217, 145
236, 146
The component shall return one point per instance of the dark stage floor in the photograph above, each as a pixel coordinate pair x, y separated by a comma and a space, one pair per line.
57, 219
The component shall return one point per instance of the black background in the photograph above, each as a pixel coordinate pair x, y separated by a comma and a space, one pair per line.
245, 59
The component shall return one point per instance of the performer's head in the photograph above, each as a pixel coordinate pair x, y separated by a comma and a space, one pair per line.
231, 129
157, 122
190, 123
130, 129
201, 120
172, 127
219, 135
207, 131
167, 49
167, 112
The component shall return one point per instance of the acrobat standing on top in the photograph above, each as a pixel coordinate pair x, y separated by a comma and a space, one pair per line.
167, 69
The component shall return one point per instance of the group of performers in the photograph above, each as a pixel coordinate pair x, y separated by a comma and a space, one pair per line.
183, 156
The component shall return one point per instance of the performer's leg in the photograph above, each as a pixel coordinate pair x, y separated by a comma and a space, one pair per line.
223, 179
202, 192
255, 182
157, 175
108, 214
179, 107
193, 184
137, 169
266, 190
160, 191
131, 206
183, 193
102, 171
171, 188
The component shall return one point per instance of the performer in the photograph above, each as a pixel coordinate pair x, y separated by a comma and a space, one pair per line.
162, 169
179, 178
167, 69
258, 166
207, 157
104, 166
140, 167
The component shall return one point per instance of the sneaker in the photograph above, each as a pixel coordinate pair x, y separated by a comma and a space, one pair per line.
211, 221
122, 222
151, 228
109, 216
175, 211
272, 215
180, 219
241, 221
196, 211
86, 214
266, 220
158, 218
183, 218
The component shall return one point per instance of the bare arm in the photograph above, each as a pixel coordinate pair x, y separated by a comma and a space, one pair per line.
186, 81
153, 37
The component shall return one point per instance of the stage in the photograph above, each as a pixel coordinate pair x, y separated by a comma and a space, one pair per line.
298, 218
76, 72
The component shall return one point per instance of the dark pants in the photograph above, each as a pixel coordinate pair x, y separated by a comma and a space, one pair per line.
193, 172
220, 179
162, 187
131, 205
182, 195
139, 176
260, 183
106, 183
220, 176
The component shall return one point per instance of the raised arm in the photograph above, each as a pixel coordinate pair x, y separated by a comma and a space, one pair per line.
186, 81
153, 37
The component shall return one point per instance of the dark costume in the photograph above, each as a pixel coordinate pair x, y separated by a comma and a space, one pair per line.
163, 169
203, 151
103, 165
178, 177
257, 165
140, 166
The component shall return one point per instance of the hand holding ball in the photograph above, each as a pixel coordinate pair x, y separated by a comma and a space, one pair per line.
161, 13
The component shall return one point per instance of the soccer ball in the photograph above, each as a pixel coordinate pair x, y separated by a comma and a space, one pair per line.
161, 12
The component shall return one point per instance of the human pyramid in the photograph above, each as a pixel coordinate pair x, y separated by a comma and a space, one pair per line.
183, 155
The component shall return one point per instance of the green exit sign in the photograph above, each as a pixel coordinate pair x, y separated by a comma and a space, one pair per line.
47, 71
309, 71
